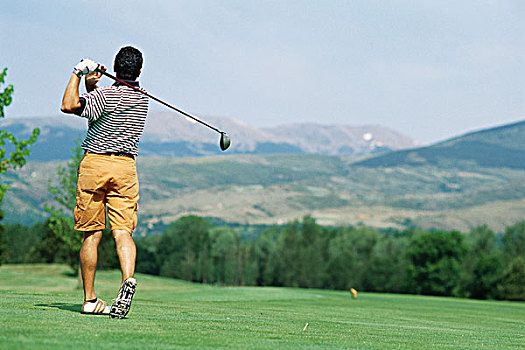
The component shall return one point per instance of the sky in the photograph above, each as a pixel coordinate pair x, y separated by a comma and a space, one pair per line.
429, 69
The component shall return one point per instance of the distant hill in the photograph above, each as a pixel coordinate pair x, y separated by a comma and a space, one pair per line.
167, 134
341, 140
502, 146
467, 181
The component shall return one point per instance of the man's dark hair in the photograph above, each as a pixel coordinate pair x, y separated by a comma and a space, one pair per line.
128, 63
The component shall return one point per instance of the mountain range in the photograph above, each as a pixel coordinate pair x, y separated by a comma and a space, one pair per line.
167, 134
502, 146
469, 180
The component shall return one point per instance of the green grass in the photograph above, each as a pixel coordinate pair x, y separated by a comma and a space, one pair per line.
40, 309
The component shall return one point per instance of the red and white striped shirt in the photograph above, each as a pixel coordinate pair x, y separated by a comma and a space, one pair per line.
116, 117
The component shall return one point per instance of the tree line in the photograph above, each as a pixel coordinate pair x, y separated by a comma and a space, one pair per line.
479, 264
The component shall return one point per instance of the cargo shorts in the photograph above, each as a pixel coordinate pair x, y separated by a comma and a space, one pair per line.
106, 182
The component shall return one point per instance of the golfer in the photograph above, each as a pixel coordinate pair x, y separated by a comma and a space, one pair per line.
107, 176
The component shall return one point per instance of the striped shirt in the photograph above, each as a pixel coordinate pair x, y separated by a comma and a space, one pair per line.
116, 117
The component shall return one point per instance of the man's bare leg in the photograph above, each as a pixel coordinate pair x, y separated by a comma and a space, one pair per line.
126, 251
88, 262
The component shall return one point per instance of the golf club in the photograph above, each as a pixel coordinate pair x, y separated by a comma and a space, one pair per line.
224, 141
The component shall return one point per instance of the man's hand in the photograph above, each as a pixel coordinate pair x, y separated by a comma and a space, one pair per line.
85, 66
92, 79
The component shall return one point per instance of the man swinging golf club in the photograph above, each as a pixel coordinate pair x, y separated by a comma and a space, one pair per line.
107, 176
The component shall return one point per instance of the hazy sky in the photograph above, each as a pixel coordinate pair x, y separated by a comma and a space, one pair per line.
430, 69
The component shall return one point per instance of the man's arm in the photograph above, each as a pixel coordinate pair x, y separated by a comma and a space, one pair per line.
71, 99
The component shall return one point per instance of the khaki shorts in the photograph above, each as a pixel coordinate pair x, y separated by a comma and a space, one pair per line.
106, 181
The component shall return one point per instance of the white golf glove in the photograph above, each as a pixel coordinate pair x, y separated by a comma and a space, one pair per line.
85, 66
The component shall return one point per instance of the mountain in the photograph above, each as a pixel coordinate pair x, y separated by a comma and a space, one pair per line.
501, 147
168, 134
461, 183
341, 140
275, 189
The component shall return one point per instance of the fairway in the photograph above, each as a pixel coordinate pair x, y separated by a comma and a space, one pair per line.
40, 309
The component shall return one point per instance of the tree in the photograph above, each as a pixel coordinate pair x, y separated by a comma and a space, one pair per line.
301, 254
18, 150
65, 192
483, 265
512, 286
312, 254
183, 249
289, 264
20, 241
4, 246
225, 249
50, 248
388, 263
17, 157
265, 256
435, 262
341, 263
514, 242
64, 195
147, 256
349, 258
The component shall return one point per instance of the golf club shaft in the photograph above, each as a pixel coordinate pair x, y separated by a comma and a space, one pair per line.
158, 100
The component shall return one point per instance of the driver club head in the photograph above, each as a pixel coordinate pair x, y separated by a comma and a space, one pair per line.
224, 142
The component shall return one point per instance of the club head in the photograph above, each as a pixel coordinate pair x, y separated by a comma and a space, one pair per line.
224, 142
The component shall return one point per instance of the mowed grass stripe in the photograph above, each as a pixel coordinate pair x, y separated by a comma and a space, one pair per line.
40, 309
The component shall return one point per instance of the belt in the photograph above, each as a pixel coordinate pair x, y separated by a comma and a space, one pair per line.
116, 154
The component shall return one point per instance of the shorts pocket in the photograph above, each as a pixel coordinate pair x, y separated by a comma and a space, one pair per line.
88, 181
